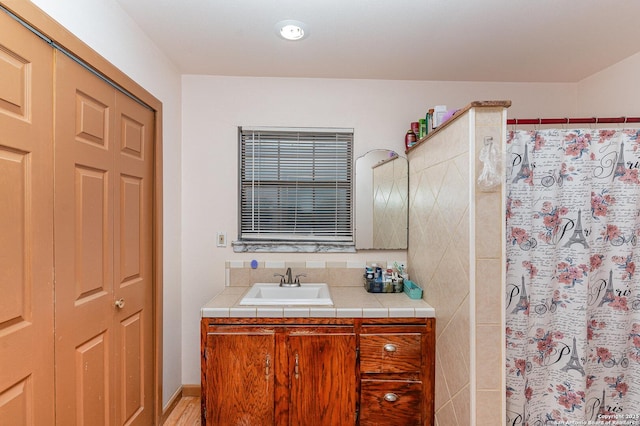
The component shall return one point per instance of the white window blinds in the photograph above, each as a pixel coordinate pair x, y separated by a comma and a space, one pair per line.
296, 184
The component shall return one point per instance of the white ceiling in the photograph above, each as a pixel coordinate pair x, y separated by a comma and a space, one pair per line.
456, 40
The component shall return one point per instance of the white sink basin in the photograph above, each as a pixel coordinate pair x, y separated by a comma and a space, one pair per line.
273, 294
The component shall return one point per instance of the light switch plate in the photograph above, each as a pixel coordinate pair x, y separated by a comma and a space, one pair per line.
221, 239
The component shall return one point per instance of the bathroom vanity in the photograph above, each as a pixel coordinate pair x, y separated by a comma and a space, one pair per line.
341, 365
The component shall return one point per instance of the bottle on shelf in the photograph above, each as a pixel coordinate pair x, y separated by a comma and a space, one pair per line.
415, 126
429, 119
410, 139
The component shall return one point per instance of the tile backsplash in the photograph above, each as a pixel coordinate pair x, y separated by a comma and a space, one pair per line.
343, 274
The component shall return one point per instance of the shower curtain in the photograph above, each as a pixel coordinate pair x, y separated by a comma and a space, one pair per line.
572, 290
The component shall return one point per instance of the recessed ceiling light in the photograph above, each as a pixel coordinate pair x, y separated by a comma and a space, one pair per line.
290, 29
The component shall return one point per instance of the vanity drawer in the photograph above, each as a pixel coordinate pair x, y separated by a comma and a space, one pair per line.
382, 401
390, 353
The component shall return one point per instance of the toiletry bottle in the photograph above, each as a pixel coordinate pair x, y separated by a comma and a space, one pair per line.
409, 139
438, 114
415, 127
430, 120
369, 273
423, 128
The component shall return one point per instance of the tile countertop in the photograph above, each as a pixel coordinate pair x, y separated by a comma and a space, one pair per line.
348, 302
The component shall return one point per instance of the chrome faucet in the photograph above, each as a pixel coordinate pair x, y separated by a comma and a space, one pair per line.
287, 280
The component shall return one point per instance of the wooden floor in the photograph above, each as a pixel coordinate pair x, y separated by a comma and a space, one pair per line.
186, 413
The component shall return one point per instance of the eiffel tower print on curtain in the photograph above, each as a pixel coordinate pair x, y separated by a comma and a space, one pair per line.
609, 296
578, 235
602, 410
574, 361
525, 169
620, 166
523, 302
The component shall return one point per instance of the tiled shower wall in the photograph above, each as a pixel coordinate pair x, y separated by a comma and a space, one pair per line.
455, 253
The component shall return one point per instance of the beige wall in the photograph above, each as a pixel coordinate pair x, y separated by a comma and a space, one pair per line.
613, 92
455, 253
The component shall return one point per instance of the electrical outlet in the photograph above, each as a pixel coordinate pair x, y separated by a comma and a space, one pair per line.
221, 239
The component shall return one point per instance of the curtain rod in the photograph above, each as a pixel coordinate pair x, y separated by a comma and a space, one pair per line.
588, 120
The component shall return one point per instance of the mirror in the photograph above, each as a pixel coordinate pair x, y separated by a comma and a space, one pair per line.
381, 201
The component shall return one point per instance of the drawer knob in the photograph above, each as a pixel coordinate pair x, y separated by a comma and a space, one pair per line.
390, 348
391, 397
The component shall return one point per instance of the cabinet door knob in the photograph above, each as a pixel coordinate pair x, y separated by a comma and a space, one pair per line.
391, 397
390, 348
120, 303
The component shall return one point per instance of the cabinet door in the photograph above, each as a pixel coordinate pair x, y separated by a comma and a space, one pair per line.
322, 365
239, 378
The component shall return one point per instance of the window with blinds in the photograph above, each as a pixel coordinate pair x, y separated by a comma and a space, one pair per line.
296, 185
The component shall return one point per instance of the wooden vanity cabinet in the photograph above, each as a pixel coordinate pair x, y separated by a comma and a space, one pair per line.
286, 371
278, 374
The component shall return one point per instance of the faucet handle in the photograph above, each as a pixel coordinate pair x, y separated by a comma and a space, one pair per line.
281, 278
297, 281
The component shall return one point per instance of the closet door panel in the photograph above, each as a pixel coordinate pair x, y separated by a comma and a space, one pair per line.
133, 223
91, 390
26, 227
84, 309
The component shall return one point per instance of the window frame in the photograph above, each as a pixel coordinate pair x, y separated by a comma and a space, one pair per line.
312, 138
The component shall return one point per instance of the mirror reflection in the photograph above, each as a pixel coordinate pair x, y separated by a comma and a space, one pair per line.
381, 195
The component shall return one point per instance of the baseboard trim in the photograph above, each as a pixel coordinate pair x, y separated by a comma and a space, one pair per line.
184, 390
191, 390
171, 405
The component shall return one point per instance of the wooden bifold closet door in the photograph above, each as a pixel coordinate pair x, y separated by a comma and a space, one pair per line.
26, 227
103, 252
77, 344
